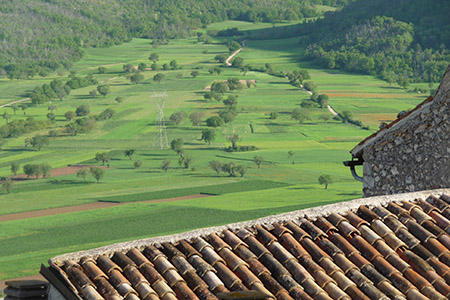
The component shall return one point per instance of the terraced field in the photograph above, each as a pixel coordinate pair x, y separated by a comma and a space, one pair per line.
278, 186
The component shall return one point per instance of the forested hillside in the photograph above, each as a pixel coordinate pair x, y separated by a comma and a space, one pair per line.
41, 35
400, 41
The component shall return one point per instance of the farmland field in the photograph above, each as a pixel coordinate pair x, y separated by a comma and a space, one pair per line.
279, 185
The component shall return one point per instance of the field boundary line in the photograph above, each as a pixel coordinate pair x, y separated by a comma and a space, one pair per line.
87, 206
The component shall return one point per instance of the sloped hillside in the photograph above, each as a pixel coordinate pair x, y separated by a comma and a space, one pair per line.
400, 40
41, 35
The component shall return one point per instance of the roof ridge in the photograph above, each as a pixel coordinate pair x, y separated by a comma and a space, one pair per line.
313, 212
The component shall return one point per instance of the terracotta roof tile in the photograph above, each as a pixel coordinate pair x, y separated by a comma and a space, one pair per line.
325, 226
187, 249
91, 268
231, 280
315, 232
397, 251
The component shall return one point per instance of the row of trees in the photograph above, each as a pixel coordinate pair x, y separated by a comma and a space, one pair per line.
36, 170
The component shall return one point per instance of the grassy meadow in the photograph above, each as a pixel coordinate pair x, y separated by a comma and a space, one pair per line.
277, 186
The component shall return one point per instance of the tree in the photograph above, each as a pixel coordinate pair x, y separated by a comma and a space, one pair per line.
291, 155
230, 168
70, 115
212, 95
102, 156
119, 99
137, 164
6, 117
221, 58
93, 93
234, 138
216, 166
29, 169
258, 160
165, 67
208, 135
214, 121
97, 173
7, 185
177, 145
82, 110
186, 161
72, 128
196, 118
51, 116
234, 83
219, 87
129, 153
83, 173
103, 90
308, 104
231, 101
228, 116
300, 115
101, 70
325, 179
322, 100
174, 64
154, 57
142, 66
45, 170
347, 116
325, 117
39, 141
24, 107
273, 115
136, 78
310, 86
128, 68
15, 168
178, 117
51, 107
241, 169
14, 108
155, 67
238, 62
158, 77
233, 46
195, 73
165, 165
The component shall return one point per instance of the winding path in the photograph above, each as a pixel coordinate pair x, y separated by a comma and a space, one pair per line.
14, 102
331, 109
227, 62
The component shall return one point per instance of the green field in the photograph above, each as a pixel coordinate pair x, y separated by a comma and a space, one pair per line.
278, 186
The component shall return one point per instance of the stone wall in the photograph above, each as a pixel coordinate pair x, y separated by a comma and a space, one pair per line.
414, 154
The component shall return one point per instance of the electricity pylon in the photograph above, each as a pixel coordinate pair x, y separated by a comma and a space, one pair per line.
160, 137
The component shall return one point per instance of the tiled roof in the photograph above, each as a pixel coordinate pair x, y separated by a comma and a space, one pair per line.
387, 250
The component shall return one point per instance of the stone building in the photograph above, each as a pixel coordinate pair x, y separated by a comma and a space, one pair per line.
410, 154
